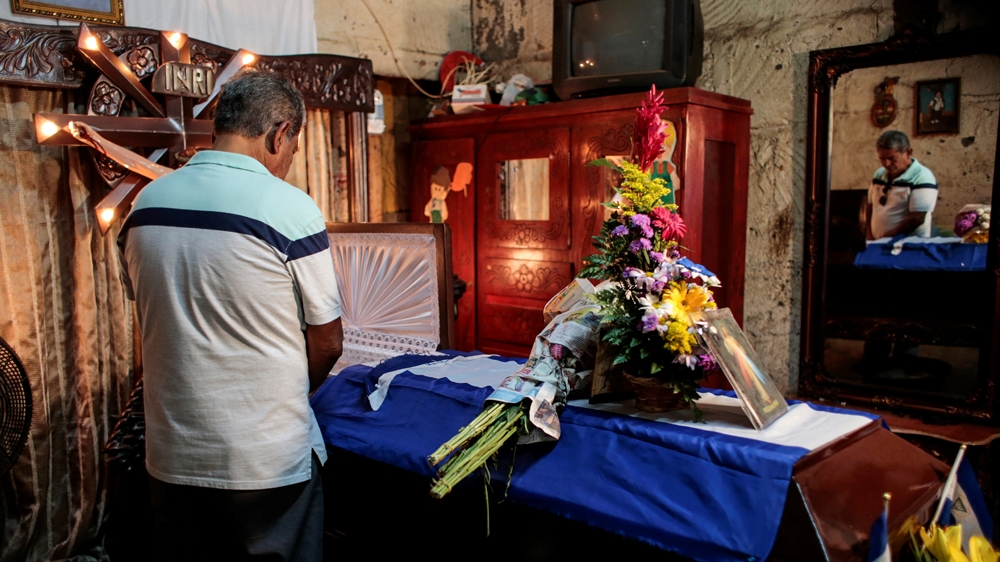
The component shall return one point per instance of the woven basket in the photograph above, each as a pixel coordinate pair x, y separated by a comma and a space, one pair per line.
653, 395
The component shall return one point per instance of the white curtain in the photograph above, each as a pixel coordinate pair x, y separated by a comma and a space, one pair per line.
266, 27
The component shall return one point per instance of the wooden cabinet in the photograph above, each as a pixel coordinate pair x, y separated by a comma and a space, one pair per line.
514, 260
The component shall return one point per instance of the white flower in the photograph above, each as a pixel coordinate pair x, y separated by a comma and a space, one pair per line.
652, 305
689, 361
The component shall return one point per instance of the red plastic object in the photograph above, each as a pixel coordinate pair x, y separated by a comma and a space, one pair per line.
450, 64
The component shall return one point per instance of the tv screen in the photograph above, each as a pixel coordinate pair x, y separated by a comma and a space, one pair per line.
617, 37
611, 46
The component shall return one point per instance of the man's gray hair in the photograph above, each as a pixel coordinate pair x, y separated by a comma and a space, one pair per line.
254, 101
893, 140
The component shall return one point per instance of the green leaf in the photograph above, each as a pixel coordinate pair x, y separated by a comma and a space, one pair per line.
604, 163
620, 360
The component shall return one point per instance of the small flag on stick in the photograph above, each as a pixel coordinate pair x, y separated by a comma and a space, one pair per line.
962, 503
879, 540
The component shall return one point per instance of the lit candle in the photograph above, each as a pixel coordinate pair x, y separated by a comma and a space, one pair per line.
47, 129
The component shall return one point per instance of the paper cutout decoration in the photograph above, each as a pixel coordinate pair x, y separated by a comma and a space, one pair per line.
463, 175
437, 209
442, 183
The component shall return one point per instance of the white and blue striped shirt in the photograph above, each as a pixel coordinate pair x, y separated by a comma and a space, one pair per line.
227, 264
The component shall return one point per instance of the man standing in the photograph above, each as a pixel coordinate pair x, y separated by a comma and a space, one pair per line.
903, 192
240, 316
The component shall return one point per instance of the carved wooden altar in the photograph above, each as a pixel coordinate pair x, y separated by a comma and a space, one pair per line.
48, 56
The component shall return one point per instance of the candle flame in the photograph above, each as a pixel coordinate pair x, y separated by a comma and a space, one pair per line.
107, 215
47, 129
249, 58
90, 43
175, 39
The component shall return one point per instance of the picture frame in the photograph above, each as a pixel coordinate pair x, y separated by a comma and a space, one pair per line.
106, 12
938, 106
760, 398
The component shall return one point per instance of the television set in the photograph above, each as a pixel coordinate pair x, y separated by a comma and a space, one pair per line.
611, 46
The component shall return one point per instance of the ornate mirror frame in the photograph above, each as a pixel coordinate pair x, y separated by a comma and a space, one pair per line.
825, 67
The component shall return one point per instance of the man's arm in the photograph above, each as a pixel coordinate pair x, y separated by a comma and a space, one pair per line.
910, 222
324, 344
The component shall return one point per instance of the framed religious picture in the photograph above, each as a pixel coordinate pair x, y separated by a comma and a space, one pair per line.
937, 103
108, 12
759, 397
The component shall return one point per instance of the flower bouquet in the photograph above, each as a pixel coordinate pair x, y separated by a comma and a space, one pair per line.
973, 224
651, 295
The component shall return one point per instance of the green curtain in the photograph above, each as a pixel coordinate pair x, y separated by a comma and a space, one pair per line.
63, 311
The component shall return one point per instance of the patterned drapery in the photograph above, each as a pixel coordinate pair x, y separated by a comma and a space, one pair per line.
320, 165
63, 311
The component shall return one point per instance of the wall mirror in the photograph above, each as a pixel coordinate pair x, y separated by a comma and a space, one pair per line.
890, 320
524, 189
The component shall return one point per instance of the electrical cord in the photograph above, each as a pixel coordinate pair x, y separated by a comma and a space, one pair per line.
395, 59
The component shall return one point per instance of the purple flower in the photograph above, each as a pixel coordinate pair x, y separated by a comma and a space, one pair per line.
656, 256
707, 362
657, 286
963, 225
620, 230
685, 274
642, 221
639, 245
648, 323
675, 255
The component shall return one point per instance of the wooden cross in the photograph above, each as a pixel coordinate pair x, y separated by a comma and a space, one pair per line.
172, 127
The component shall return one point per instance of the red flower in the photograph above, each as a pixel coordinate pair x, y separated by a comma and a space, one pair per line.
672, 224
649, 132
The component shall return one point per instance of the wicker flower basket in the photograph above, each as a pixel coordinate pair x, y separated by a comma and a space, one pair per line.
653, 395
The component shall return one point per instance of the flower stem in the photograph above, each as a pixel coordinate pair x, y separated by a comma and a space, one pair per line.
508, 421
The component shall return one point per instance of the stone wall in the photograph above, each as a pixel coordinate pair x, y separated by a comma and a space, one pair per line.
421, 31
962, 162
757, 51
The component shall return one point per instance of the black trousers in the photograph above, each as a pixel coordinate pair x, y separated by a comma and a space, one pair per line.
279, 524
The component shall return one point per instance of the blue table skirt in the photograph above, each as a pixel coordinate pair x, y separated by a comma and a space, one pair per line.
704, 495
915, 256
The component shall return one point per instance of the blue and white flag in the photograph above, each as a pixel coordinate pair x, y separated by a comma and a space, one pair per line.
879, 540
965, 505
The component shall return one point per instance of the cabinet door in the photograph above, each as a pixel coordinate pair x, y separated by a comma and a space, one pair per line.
443, 190
524, 234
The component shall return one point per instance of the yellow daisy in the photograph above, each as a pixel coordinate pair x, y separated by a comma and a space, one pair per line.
686, 300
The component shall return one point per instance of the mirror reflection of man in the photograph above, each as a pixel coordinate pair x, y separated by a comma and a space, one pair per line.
903, 192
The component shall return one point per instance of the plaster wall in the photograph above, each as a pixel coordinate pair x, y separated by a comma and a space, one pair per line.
757, 51
421, 32
962, 162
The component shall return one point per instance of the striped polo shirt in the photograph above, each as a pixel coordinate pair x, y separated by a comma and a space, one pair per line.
915, 190
227, 264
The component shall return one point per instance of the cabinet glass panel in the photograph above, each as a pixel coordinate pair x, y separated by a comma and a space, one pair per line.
524, 189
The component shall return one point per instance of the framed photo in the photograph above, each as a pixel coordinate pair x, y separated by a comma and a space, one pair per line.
758, 395
107, 12
937, 103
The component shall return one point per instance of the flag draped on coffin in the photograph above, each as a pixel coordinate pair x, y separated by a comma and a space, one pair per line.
879, 550
965, 505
